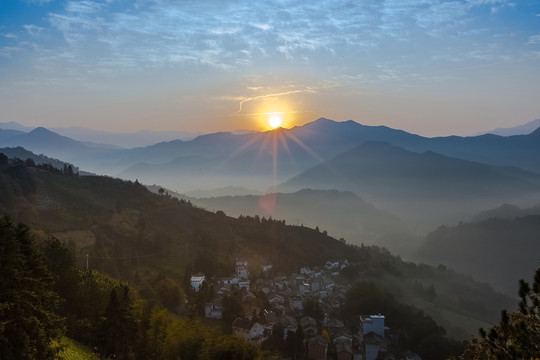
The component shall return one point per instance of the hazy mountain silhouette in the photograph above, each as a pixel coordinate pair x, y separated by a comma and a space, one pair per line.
7, 134
276, 155
516, 130
499, 251
410, 183
118, 139
344, 214
507, 211
42, 140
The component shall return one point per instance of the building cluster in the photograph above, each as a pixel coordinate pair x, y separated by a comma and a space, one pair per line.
282, 313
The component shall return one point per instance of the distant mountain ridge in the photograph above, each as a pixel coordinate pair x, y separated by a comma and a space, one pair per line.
282, 153
118, 139
344, 214
523, 129
425, 187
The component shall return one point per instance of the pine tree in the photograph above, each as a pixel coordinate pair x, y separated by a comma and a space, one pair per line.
517, 336
28, 322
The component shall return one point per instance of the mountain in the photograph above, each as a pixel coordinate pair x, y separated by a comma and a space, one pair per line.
43, 141
496, 250
284, 153
7, 134
119, 139
270, 157
12, 125
507, 211
23, 154
409, 183
344, 214
123, 140
516, 130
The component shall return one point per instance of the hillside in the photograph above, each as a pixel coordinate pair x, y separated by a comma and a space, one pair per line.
344, 214
499, 251
150, 239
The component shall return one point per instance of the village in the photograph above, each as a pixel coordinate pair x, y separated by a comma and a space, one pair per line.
296, 314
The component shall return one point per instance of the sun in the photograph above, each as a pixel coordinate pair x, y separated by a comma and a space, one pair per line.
275, 120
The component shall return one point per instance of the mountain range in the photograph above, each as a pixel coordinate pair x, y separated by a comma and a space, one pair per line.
281, 153
423, 180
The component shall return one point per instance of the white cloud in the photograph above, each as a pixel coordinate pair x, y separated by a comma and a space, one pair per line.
33, 30
535, 39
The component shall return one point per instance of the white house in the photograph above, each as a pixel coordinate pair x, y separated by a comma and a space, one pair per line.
197, 280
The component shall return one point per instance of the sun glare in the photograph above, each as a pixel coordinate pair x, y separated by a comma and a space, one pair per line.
275, 120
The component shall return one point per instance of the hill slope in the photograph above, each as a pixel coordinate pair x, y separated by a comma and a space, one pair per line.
496, 250
342, 214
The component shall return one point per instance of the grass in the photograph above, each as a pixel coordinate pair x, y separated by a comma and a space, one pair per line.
75, 351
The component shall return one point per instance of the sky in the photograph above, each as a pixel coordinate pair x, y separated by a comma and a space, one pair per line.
430, 67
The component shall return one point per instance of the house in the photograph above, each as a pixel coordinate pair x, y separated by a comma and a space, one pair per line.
372, 323
213, 310
249, 330
309, 326
276, 299
297, 303
373, 344
197, 280
242, 269
317, 348
343, 350
244, 284
288, 323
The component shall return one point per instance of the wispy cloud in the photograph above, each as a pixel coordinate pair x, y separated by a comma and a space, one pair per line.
535, 39
33, 30
231, 35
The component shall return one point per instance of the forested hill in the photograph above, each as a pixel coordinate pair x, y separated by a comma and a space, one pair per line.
121, 224
151, 240
496, 250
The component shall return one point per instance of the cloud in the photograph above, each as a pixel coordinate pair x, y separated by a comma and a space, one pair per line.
111, 36
33, 30
535, 39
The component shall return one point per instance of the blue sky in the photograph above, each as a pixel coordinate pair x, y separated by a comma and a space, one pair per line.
430, 67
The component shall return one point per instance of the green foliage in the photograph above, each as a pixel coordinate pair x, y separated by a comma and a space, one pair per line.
517, 336
28, 323
72, 350
232, 306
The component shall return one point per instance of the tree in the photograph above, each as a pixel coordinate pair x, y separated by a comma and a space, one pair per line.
312, 307
28, 322
517, 336
3, 159
118, 327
